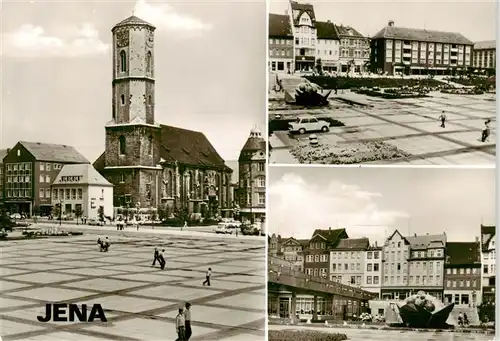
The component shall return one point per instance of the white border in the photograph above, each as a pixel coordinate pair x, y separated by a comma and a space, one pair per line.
266, 104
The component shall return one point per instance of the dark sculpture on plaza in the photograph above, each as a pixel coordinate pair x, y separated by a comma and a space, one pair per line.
309, 94
420, 312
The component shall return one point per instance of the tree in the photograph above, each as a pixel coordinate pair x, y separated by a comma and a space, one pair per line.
5, 221
78, 213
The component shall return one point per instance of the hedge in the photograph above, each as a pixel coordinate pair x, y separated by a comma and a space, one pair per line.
476, 81
349, 83
289, 335
282, 124
389, 94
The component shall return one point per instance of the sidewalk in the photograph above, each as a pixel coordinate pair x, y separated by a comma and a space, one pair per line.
188, 232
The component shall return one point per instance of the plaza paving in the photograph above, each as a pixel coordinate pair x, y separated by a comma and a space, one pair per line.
140, 301
412, 125
395, 335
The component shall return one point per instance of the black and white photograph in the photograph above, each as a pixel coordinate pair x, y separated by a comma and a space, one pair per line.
133, 156
381, 254
367, 82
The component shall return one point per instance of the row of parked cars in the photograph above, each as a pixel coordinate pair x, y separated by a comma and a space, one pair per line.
231, 226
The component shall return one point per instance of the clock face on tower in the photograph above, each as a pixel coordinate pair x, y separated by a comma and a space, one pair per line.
122, 39
150, 39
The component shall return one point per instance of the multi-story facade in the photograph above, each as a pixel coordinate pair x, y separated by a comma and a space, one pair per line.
149, 164
396, 252
426, 264
354, 49
82, 188
462, 278
3, 152
252, 179
373, 269
347, 261
409, 51
485, 55
274, 247
303, 22
317, 251
280, 44
327, 49
293, 252
29, 170
488, 256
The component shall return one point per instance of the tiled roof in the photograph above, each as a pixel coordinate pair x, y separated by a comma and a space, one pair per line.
326, 30
414, 34
89, 176
187, 147
54, 152
133, 21
353, 244
308, 8
487, 233
485, 45
331, 236
421, 242
254, 143
3, 152
462, 253
303, 242
344, 31
279, 26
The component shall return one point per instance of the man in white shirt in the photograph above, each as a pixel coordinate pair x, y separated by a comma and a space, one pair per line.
180, 325
207, 277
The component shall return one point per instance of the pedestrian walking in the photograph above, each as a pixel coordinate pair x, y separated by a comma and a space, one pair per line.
443, 119
185, 225
180, 326
156, 257
486, 131
207, 277
162, 260
187, 321
466, 319
460, 319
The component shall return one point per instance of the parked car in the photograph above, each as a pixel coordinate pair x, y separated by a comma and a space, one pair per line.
229, 222
94, 222
15, 216
305, 123
227, 229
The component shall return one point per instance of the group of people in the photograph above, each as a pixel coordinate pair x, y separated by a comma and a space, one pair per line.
103, 244
463, 320
485, 132
160, 257
183, 323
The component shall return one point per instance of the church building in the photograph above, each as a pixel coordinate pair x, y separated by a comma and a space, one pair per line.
153, 165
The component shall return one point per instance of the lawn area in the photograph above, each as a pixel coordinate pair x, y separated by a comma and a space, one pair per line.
289, 335
349, 83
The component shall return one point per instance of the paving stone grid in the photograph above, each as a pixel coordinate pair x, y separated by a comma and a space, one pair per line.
140, 301
413, 126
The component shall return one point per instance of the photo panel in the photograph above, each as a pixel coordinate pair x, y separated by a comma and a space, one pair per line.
393, 85
133, 170
381, 253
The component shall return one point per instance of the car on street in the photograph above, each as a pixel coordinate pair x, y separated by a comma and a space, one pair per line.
15, 216
227, 229
94, 222
306, 123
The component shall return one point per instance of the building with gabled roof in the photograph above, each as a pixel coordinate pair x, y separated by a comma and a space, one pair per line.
29, 169
317, 251
488, 260
303, 22
293, 252
462, 278
354, 53
419, 51
347, 261
280, 43
152, 165
328, 46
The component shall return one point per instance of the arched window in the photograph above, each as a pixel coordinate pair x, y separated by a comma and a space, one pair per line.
150, 145
148, 62
122, 99
122, 145
123, 61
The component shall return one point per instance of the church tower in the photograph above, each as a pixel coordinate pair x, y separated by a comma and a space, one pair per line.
132, 136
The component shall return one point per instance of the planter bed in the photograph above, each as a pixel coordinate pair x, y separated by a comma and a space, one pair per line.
282, 124
354, 153
463, 91
349, 83
289, 335
394, 94
476, 81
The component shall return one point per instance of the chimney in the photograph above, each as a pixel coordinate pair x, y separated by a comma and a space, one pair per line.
328, 21
415, 235
375, 243
8, 150
330, 228
477, 239
427, 233
390, 23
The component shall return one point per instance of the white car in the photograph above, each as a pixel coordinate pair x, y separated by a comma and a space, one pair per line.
227, 229
307, 123
15, 216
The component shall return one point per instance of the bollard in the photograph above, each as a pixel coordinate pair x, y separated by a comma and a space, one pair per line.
313, 140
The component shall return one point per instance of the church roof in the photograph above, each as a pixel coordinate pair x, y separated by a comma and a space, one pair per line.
133, 21
87, 175
184, 146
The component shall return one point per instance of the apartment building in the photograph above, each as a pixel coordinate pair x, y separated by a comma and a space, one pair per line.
354, 49
400, 50
462, 278
29, 170
275, 245
293, 252
328, 46
373, 269
485, 55
304, 31
281, 56
347, 261
488, 255
3, 153
317, 251
396, 251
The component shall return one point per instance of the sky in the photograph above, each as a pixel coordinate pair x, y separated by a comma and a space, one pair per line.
56, 70
370, 16
373, 202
